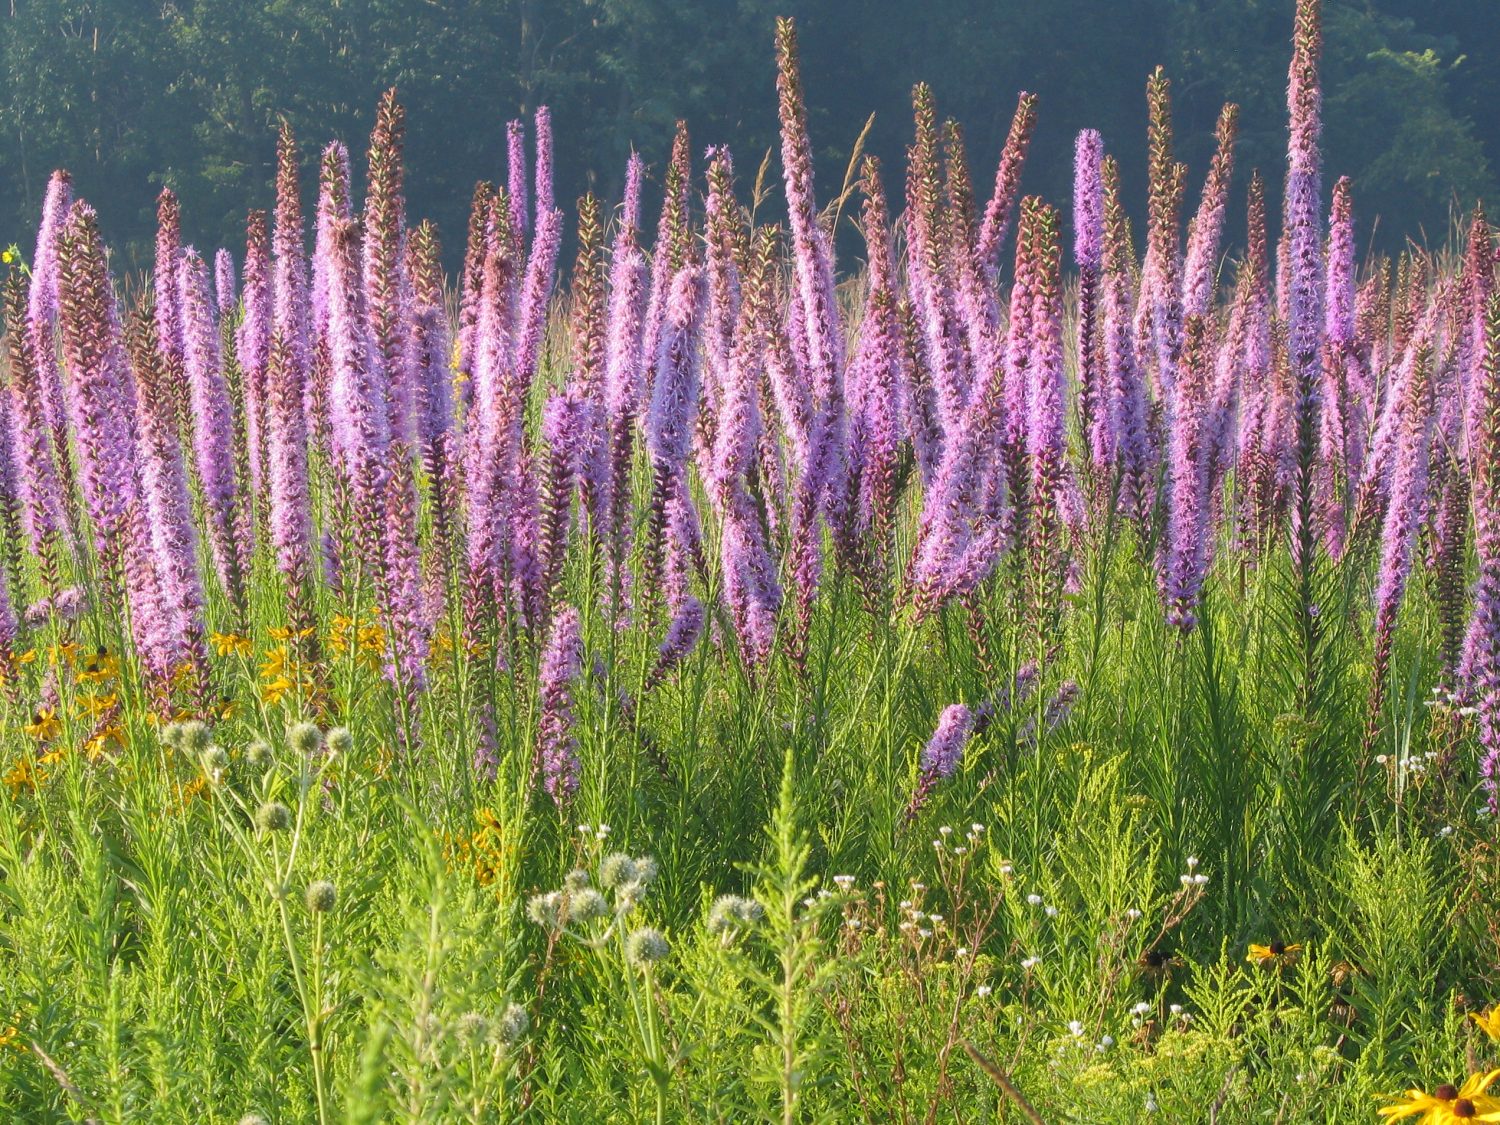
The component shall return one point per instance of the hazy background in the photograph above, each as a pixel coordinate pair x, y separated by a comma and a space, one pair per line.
131, 94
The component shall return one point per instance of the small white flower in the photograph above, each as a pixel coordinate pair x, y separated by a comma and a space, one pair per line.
1382, 759
1076, 1027
976, 828
945, 830
1185, 880
960, 850
1006, 869
585, 828
1031, 963
936, 919
1151, 1106
906, 904
960, 952
1106, 1041
1141, 1009
1175, 1009
924, 934
1192, 862
1051, 912
844, 881
1199, 879
1133, 914
1034, 900
1446, 830
982, 991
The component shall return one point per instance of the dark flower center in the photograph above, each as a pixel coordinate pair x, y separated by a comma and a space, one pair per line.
1464, 1108
1446, 1092
1278, 948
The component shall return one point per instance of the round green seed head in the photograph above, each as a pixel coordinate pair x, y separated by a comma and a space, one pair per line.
306, 739
194, 736
585, 905
472, 1029
340, 741
259, 755
274, 817
615, 870
514, 1023
645, 947
321, 896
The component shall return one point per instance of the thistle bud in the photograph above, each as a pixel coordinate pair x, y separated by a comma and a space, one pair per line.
321, 896
274, 817
259, 755
615, 870
514, 1023
732, 914
645, 947
543, 909
215, 761
192, 736
472, 1029
585, 905
340, 741
306, 739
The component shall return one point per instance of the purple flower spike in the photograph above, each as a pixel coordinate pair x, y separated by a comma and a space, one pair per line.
557, 744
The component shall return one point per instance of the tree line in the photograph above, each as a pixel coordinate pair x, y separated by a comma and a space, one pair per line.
134, 94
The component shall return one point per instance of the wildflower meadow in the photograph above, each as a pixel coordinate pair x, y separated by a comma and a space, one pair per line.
1028, 670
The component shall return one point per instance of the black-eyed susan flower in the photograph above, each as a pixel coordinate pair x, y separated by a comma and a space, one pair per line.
1277, 955
1157, 962
98, 667
1449, 1104
44, 725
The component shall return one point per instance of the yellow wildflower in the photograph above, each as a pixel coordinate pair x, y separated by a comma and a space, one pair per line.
1489, 1022
231, 644
272, 691
99, 667
1276, 955
1449, 1104
53, 757
56, 654
44, 725
104, 742
93, 704
24, 776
